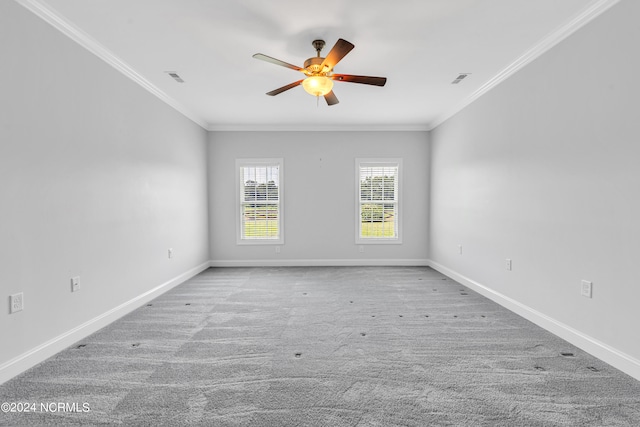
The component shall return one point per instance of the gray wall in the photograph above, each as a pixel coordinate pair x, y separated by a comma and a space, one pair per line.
544, 170
98, 178
319, 178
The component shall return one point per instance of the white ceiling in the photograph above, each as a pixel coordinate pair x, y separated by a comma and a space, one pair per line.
419, 45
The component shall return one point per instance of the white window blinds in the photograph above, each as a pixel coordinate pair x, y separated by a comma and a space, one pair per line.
378, 200
260, 188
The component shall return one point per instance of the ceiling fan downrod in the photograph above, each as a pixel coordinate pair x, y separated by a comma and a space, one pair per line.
318, 45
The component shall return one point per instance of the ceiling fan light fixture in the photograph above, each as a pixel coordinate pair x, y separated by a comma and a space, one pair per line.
319, 72
317, 85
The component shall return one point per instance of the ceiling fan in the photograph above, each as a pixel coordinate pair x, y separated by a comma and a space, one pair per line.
319, 72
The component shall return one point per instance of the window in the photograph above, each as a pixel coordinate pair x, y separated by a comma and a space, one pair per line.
259, 193
378, 184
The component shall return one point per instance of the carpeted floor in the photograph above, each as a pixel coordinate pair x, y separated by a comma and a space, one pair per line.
347, 346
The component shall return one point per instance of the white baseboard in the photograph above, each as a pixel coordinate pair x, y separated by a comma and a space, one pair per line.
47, 349
610, 355
319, 262
616, 358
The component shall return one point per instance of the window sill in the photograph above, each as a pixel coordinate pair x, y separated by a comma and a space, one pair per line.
260, 242
378, 241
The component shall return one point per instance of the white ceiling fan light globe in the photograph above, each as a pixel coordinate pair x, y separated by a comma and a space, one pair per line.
317, 85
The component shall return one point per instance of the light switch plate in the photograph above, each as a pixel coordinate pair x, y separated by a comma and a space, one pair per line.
75, 284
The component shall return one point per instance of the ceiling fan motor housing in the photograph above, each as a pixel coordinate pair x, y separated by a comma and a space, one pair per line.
314, 66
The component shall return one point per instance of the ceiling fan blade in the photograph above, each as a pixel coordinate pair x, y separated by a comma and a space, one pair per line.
284, 88
276, 61
367, 80
338, 51
331, 98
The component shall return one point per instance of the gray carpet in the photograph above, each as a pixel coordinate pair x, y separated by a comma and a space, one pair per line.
383, 346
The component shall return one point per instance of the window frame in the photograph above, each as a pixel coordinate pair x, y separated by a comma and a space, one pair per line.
239, 189
361, 162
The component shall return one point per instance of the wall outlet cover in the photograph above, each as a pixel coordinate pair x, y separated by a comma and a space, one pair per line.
586, 289
16, 303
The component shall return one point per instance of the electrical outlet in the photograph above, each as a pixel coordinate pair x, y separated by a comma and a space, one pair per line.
361, 249
75, 284
460, 249
587, 289
170, 253
507, 264
277, 249
16, 302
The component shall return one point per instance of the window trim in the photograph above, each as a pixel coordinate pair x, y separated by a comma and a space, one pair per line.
240, 163
391, 161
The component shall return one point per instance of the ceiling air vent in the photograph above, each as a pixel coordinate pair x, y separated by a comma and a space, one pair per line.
460, 77
175, 76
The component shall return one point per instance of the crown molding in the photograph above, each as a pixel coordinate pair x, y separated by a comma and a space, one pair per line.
56, 20
318, 128
595, 9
